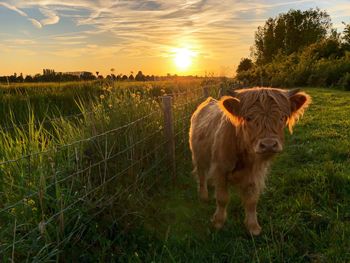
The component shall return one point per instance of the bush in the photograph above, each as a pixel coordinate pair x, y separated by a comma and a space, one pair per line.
345, 81
316, 65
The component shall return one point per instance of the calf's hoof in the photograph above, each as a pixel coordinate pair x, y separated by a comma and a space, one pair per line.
254, 229
218, 221
203, 196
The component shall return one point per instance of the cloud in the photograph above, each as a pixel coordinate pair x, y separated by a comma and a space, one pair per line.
20, 41
13, 8
51, 17
69, 37
340, 10
35, 22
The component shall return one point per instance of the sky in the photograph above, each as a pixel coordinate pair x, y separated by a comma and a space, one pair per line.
181, 37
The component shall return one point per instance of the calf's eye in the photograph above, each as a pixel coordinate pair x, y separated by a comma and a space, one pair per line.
248, 119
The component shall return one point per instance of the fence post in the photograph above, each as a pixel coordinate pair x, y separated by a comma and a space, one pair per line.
169, 133
221, 91
206, 92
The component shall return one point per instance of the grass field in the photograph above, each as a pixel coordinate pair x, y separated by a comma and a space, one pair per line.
305, 211
141, 216
59, 99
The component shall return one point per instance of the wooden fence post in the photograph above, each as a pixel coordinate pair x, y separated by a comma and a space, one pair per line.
221, 91
205, 92
169, 133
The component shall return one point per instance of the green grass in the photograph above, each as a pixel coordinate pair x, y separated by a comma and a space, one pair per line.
304, 211
141, 216
49, 100
67, 173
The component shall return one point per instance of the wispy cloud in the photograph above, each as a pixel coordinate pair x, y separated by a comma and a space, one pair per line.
35, 22
51, 17
19, 41
340, 10
20, 12
13, 8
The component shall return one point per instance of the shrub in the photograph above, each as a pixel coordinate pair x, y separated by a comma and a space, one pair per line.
315, 65
345, 81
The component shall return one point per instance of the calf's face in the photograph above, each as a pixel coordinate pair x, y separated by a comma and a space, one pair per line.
261, 114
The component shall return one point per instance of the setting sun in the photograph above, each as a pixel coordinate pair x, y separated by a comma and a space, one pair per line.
183, 58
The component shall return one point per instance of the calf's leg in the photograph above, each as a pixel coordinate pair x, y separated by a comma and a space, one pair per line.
250, 195
201, 183
222, 196
202, 186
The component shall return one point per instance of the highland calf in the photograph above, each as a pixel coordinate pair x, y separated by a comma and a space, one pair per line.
233, 141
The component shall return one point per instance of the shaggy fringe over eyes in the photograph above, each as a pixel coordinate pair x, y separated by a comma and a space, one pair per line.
295, 116
262, 95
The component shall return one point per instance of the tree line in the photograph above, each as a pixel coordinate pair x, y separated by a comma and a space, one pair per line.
49, 75
298, 48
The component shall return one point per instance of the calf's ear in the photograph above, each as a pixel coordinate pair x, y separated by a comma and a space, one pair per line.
299, 101
231, 108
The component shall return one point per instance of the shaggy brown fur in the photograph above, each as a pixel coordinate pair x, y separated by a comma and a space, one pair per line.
233, 141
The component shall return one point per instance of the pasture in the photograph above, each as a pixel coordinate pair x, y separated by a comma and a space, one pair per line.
97, 186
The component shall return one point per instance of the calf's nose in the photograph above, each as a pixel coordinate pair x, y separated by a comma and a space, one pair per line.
269, 145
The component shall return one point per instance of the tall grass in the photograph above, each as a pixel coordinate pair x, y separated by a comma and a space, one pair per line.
69, 174
49, 100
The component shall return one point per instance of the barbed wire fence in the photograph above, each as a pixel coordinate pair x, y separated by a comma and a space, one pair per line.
48, 198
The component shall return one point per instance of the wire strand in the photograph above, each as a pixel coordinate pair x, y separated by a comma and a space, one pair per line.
80, 141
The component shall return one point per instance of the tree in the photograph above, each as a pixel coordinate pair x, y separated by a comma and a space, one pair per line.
325, 49
131, 77
125, 77
20, 78
290, 32
48, 72
244, 65
13, 78
140, 76
346, 37
28, 78
87, 76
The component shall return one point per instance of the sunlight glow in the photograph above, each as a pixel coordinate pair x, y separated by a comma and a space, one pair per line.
183, 58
